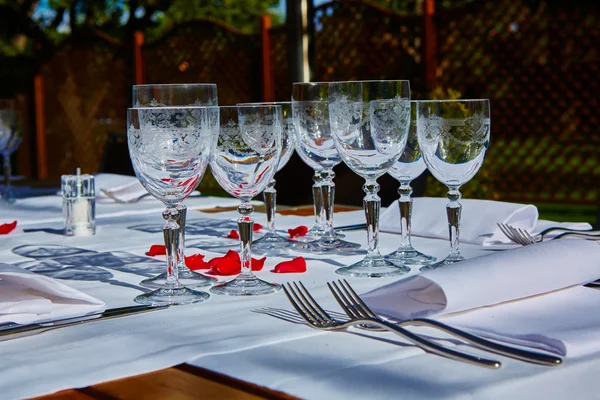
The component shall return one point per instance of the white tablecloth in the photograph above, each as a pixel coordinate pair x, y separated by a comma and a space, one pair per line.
231, 335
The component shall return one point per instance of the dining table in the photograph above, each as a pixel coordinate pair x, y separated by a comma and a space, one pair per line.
238, 347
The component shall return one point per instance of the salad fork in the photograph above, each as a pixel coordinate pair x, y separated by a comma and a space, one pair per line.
318, 318
356, 309
524, 238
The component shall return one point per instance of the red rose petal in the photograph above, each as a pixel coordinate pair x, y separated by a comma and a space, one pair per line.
299, 231
8, 228
157, 250
233, 234
297, 265
257, 264
256, 227
230, 264
196, 261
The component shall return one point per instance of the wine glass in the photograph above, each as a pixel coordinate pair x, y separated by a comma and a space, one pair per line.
170, 149
11, 135
175, 95
454, 136
273, 240
409, 166
244, 161
370, 122
310, 106
317, 230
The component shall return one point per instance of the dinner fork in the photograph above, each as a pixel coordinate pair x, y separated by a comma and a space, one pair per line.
117, 200
318, 318
524, 238
356, 308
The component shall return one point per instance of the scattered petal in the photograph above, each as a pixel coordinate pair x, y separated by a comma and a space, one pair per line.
196, 261
299, 231
233, 234
8, 228
297, 265
157, 250
256, 227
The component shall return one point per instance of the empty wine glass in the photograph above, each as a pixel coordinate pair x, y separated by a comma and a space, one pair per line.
244, 162
273, 240
370, 122
454, 136
408, 167
310, 106
176, 95
11, 135
170, 149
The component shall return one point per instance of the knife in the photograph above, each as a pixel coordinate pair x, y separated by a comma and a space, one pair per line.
353, 227
35, 329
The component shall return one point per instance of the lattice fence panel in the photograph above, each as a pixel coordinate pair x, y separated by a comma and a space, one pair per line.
357, 41
281, 67
85, 82
539, 68
204, 51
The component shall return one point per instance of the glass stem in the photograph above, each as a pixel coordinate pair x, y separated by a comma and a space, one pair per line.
245, 225
7, 171
171, 233
181, 218
270, 195
318, 199
328, 194
453, 210
372, 204
405, 204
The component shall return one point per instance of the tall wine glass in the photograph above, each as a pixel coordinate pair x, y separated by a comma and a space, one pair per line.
370, 122
454, 136
317, 230
273, 240
11, 135
170, 149
409, 166
175, 95
244, 162
310, 106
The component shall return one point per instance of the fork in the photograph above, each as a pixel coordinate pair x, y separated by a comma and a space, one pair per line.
356, 308
524, 238
318, 318
117, 200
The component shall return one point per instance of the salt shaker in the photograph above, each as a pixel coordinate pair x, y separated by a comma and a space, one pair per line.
79, 204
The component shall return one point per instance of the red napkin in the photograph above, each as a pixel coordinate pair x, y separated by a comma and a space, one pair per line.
235, 235
299, 231
8, 228
297, 265
157, 250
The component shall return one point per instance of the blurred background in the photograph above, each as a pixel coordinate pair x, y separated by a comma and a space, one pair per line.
71, 64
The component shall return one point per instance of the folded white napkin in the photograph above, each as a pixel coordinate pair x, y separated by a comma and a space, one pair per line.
496, 279
26, 297
122, 187
478, 220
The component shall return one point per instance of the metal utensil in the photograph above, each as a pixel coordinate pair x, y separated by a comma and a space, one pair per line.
318, 318
117, 200
355, 308
37, 328
524, 238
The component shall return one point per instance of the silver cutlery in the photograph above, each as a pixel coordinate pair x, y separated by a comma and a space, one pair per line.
356, 309
117, 200
524, 238
318, 318
20, 331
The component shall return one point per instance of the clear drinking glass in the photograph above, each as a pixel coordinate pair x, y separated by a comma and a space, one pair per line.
176, 95
409, 166
273, 240
170, 149
454, 136
11, 135
310, 106
370, 122
244, 162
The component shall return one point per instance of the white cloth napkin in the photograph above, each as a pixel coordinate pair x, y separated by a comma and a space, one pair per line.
507, 280
478, 220
122, 187
26, 297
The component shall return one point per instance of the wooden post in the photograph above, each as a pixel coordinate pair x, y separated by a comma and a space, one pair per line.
430, 44
268, 84
40, 126
138, 61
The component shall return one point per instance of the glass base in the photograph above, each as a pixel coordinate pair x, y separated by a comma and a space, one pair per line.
171, 296
251, 286
445, 262
410, 256
326, 246
270, 241
371, 267
187, 278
